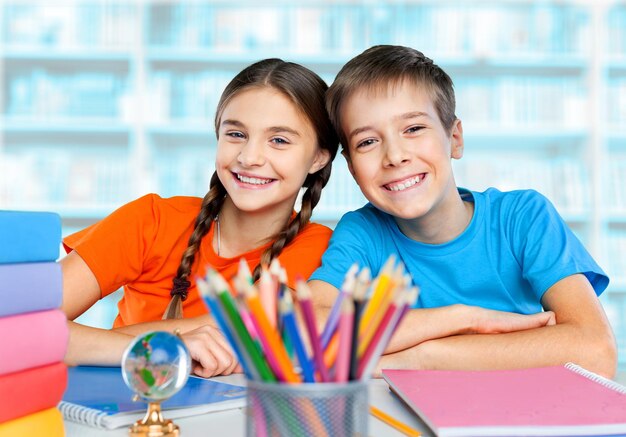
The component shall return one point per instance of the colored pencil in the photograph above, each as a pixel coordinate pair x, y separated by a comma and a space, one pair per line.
346, 320
393, 422
291, 331
210, 299
272, 344
333, 317
267, 295
232, 313
304, 299
359, 302
410, 296
392, 309
378, 294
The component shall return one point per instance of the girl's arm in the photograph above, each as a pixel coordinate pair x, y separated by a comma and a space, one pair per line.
88, 345
420, 325
582, 334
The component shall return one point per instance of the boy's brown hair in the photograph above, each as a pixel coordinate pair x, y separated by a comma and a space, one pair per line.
385, 65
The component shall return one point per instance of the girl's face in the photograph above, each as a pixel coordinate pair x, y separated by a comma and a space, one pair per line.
266, 148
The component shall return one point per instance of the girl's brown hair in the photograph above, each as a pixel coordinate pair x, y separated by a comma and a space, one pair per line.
307, 91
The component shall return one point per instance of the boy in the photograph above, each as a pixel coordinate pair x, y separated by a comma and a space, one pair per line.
394, 111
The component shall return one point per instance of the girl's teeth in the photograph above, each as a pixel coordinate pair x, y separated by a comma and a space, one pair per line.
253, 181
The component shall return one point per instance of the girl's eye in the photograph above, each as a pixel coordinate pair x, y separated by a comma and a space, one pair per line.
235, 134
279, 141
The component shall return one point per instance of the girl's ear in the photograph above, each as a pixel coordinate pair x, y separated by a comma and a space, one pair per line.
456, 140
321, 159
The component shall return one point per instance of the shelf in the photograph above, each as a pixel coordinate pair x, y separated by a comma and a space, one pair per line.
184, 129
516, 137
61, 55
65, 125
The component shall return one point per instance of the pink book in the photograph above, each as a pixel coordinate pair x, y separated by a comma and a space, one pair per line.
32, 340
547, 401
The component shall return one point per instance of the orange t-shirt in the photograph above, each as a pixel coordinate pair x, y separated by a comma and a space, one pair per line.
139, 247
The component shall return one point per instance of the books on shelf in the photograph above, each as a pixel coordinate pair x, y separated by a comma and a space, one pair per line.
548, 401
98, 397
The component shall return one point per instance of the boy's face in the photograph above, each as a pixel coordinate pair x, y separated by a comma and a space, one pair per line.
399, 152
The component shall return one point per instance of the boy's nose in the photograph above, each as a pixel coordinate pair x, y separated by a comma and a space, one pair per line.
252, 154
395, 155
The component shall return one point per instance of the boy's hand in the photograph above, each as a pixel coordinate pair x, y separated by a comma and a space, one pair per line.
487, 321
210, 352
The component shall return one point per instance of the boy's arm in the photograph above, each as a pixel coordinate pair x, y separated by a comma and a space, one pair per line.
435, 323
582, 334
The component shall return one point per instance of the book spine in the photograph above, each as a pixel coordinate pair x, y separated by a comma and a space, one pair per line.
29, 287
38, 339
84, 415
47, 423
28, 236
31, 390
596, 378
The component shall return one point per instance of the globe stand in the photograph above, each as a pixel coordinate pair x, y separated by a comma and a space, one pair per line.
153, 424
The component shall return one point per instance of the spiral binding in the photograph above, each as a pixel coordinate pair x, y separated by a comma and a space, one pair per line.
596, 378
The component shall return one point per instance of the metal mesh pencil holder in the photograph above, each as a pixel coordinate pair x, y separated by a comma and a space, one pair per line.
317, 409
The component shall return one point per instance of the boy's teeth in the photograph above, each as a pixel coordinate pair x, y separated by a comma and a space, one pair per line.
253, 181
404, 185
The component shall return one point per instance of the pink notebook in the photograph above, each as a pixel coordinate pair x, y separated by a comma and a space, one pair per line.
548, 401
32, 340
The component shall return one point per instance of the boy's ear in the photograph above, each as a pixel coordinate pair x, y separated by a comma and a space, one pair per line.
348, 161
456, 140
321, 159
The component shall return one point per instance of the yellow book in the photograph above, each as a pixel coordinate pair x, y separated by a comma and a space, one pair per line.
46, 422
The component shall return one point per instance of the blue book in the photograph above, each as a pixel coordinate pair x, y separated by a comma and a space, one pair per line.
98, 397
29, 236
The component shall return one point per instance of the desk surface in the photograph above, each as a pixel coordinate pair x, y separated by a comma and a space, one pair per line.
232, 422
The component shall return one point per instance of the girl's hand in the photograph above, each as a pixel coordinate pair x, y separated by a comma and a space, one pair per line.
210, 352
485, 321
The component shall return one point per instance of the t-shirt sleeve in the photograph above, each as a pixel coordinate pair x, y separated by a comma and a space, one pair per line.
304, 254
349, 244
115, 247
547, 248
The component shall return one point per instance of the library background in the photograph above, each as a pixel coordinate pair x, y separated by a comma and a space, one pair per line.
103, 101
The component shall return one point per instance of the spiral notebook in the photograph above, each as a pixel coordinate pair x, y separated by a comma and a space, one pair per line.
548, 401
98, 397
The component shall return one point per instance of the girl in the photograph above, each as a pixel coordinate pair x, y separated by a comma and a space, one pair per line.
273, 139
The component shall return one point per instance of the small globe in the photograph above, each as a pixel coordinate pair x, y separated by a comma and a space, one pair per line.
156, 365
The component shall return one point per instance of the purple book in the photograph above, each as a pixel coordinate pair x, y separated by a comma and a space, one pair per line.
27, 287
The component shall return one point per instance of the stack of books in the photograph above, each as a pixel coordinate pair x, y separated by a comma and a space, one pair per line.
33, 330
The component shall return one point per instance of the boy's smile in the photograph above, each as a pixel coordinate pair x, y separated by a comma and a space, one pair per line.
400, 155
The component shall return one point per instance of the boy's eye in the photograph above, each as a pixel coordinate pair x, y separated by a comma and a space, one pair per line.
365, 143
414, 129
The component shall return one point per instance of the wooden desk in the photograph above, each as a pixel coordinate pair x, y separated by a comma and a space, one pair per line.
233, 422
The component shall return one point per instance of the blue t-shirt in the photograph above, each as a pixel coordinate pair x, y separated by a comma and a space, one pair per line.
515, 248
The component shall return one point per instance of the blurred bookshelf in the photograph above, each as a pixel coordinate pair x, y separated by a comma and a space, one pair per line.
103, 101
